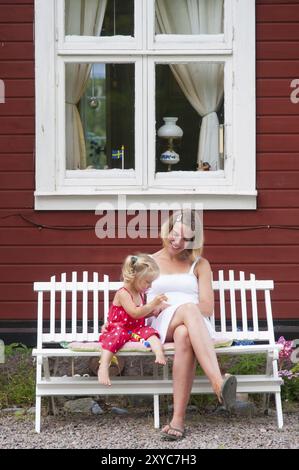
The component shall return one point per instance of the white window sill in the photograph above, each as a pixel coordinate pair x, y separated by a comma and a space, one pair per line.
147, 200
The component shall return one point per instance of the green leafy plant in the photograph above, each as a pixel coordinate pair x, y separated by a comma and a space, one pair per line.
17, 377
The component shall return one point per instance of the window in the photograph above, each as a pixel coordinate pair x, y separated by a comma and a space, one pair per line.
152, 99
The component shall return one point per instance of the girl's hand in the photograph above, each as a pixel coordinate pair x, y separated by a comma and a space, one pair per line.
163, 306
159, 299
104, 328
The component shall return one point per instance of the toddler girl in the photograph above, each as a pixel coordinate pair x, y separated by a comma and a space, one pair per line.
127, 313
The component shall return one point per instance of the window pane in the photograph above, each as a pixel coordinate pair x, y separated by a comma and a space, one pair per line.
99, 17
190, 96
100, 116
189, 16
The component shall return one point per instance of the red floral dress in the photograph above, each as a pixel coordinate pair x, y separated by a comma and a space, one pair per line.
119, 325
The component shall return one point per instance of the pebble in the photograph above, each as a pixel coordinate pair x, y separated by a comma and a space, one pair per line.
119, 411
111, 431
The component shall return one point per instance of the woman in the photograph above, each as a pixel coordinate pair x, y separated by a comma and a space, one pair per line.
185, 278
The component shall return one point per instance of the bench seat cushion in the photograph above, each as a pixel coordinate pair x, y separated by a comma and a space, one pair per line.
130, 346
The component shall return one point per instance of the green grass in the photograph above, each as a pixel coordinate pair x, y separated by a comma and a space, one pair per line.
17, 377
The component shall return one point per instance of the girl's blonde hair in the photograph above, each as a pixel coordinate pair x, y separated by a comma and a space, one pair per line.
138, 266
191, 219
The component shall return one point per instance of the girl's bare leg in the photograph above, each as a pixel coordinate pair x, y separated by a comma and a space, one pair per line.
190, 316
183, 374
157, 348
103, 372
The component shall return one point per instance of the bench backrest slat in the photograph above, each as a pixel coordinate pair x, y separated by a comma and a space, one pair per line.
222, 301
254, 303
95, 303
233, 302
74, 304
52, 308
63, 305
85, 306
87, 327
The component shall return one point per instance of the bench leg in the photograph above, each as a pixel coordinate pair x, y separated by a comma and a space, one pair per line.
37, 413
156, 412
279, 410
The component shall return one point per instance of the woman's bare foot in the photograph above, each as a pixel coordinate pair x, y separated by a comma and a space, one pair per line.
103, 375
160, 359
175, 428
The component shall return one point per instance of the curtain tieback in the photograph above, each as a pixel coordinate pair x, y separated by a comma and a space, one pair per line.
205, 115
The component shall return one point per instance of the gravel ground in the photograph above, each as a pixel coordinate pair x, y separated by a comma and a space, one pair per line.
136, 431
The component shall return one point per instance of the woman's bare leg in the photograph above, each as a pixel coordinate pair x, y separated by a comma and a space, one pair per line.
190, 316
183, 374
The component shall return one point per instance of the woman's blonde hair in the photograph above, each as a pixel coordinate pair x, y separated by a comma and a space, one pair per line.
191, 219
138, 266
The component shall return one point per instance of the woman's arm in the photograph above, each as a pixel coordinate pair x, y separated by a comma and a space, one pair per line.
127, 303
206, 293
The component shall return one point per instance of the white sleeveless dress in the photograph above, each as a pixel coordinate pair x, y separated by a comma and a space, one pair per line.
180, 288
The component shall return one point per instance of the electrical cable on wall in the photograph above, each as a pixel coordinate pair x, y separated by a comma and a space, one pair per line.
41, 226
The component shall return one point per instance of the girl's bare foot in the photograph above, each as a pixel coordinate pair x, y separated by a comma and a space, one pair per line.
103, 375
160, 359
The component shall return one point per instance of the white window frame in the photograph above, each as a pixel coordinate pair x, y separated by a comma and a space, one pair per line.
231, 188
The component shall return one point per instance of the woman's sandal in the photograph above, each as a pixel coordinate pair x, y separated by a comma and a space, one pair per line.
228, 392
173, 437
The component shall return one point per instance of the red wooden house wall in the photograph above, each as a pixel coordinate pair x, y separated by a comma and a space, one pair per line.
28, 253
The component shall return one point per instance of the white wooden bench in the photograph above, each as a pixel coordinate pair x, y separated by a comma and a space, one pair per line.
58, 305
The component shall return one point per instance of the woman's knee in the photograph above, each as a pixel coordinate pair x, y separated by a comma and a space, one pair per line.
181, 338
190, 310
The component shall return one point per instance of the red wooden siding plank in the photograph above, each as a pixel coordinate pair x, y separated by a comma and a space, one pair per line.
281, 32
280, 272
17, 51
18, 181
273, 88
278, 143
280, 198
277, 50
16, 162
15, 32
247, 218
19, 88
18, 107
278, 179
16, 200
274, 2
17, 2
15, 125
16, 69
19, 143
34, 237
275, 161
277, 125
277, 13
276, 106
16, 13
274, 68
100, 254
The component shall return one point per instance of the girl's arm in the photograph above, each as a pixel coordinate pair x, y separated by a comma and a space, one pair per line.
127, 303
206, 293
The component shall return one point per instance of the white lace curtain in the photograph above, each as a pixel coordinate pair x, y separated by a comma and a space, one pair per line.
201, 83
84, 17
